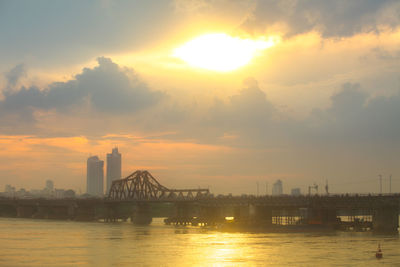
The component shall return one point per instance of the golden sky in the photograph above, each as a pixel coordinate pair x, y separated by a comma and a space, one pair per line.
202, 93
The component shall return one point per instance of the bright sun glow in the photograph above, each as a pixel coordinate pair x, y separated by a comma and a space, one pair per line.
221, 52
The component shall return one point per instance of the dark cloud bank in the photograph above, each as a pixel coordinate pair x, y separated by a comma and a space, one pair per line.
119, 96
105, 89
331, 18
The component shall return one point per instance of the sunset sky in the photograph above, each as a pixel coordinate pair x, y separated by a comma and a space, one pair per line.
210, 93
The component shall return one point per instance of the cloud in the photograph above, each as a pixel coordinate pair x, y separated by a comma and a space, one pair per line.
353, 118
106, 89
247, 111
356, 117
349, 102
112, 95
247, 115
14, 75
330, 18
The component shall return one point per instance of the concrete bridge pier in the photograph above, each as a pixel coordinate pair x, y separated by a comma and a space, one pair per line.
110, 214
8, 210
183, 213
58, 212
261, 215
42, 212
211, 215
321, 216
385, 220
85, 213
142, 214
25, 211
71, 211
241, 213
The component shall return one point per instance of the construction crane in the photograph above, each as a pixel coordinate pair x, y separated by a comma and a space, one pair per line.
315, 187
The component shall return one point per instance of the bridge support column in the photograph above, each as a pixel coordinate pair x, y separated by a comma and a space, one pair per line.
211, 215
142, 214
25, 211
8, 210
385, 220
328, 216
241, 213
85, 213
262, 215
71, 211
41, 213
58, 212
183, 213
321, 216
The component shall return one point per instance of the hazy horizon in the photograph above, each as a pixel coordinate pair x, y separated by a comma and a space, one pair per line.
315, 99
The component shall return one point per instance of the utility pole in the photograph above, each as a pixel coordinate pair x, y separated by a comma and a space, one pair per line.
266, 188
380, 183
258, 191
327, 188
390, 184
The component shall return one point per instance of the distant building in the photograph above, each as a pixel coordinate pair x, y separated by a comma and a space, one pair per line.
59, 193
69, 193
9, 191
277, 188
95, 176
113, 167
296, 192
21, 193
49, 185
36, 192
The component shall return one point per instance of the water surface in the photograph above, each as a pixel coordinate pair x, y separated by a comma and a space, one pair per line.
26, 242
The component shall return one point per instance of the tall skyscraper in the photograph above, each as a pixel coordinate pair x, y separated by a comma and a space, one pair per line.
113, 167
49, 185
277, 188
95, 176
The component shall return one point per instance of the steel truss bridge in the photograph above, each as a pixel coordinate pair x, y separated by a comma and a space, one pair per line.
136, 195
142, 186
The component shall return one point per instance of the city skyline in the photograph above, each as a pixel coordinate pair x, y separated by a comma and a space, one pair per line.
220, 94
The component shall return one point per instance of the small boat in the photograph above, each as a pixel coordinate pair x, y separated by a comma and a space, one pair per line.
379, 254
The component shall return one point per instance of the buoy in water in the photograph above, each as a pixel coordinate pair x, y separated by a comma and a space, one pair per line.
379, 254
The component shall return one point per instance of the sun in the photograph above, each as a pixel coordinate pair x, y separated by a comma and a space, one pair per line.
221, 52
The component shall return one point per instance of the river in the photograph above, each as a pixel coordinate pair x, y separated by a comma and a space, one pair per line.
27, 242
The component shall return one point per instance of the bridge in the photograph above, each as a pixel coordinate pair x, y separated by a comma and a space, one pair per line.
141, 197
142, 186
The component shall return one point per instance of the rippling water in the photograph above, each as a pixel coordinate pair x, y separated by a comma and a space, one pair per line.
27, 242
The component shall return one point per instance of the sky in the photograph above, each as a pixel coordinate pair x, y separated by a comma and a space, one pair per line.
322, 104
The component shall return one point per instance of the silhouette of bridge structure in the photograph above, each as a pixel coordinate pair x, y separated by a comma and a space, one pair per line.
142, 186
138, 196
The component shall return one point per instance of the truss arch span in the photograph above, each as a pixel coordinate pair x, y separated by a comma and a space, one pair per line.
142, 186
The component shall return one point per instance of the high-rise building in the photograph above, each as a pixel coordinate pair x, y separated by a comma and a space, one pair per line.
296, 191
277, 188
95, 176
113, 167
49, 185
